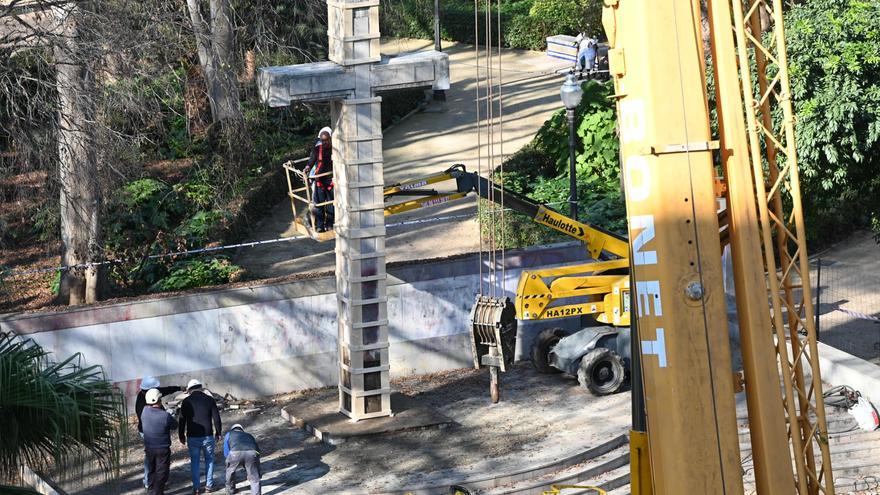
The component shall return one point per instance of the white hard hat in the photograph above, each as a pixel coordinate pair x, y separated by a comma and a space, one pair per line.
236, 425
149, 382
327, 130
153, 396
193, 384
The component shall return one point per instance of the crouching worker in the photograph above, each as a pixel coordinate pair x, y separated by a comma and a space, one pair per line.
240, 447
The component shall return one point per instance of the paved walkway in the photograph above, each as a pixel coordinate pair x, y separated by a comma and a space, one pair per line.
423, 144
849, 309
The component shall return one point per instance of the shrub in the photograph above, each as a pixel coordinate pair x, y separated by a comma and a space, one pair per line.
526, 32
540, 171
197, 273
567, 17
834, 61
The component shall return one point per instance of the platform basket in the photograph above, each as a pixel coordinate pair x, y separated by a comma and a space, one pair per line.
300, 195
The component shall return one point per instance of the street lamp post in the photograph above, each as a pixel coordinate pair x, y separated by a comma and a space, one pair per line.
571, 94
439, 94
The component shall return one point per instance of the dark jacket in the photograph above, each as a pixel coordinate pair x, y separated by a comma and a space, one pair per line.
197, 414
158, 425
315, 166
141, 401
238, 441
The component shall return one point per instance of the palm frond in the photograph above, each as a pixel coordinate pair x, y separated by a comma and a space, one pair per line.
58, 413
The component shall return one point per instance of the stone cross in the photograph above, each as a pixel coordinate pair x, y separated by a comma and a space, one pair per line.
351, 80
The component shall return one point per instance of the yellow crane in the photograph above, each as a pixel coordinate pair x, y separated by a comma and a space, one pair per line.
684, 438
669, 151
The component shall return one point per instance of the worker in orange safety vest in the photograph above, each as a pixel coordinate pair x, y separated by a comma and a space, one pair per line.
321, 161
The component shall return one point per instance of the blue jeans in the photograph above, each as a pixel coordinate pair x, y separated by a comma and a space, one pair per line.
196, 446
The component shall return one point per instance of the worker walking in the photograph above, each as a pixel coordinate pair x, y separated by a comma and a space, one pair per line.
321, 161
240, 447
149, 382
587, 53
157, 425
199, 430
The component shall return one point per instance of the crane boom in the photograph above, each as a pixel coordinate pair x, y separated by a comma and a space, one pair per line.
666, 153
659, 69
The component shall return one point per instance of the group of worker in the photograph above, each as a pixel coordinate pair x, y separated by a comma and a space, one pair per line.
198, 428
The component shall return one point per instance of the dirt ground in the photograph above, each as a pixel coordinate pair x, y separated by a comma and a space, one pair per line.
540, 418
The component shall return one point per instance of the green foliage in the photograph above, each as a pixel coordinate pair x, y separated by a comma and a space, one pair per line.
140, 211
197, 229
595, 125
568, 16
526, 32
524, 23
55, 286
834, 61
540, 171
46, 221
152, 108
56, 414
4, 270
197, 273
148, 217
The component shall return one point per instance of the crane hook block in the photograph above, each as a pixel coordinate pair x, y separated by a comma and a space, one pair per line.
493, 332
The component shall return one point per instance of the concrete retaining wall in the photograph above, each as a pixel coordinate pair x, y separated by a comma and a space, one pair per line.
841, 368
268, 339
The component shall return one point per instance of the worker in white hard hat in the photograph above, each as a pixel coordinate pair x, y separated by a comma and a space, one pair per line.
321, 162
240, 447
587, 51
158, 425
147, 383
199, 430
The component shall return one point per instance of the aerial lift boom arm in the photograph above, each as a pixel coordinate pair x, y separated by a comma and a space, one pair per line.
596, 238
599, 288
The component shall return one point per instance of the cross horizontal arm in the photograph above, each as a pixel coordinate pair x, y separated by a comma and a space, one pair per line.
322, 81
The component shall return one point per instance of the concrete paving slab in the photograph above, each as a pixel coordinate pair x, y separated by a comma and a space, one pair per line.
541, 420
849, 301
320, 416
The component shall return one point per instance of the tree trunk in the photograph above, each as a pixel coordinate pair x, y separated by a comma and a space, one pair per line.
216, 49
225, 92
80, 199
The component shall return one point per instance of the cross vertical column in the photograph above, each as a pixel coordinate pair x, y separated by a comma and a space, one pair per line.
364, 388
364, 382
350, 80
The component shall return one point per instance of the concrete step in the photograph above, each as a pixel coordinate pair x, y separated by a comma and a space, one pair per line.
844, 453
574, 475
836, 423
616, 482
571, 469
859, 485
869, 447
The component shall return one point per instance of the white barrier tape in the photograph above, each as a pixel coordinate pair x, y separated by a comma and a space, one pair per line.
856, 314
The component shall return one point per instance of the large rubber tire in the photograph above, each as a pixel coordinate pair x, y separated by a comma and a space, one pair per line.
542, 346
601, 371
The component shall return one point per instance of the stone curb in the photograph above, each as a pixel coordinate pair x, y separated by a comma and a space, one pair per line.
39, 483
841, 368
